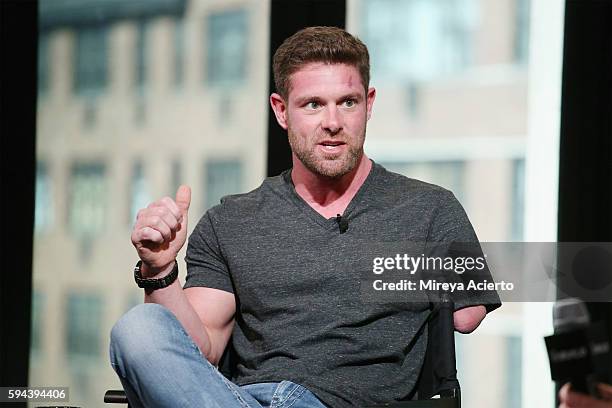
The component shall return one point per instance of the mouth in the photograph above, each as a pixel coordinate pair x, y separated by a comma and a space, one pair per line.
331, 145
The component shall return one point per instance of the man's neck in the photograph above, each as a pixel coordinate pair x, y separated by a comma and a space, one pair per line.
328, 196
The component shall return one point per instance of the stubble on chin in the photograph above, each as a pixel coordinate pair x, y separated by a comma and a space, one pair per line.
328, 167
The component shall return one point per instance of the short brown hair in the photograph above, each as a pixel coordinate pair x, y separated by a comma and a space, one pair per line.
330, 45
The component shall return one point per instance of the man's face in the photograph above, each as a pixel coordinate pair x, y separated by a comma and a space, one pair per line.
325, 116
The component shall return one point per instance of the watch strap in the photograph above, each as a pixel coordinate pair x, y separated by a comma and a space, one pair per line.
154, 283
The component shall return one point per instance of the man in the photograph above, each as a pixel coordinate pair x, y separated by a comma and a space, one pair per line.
273, 270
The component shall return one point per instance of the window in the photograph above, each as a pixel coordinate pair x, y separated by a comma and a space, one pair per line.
176, 178
87, 200
179, 51
91, 60
141, 53
43, 62
521, 37
448, 174
418, 39
38, 306
518, 199
515, 368
84, 319
43, 207
139, 196
223, 177
226, 58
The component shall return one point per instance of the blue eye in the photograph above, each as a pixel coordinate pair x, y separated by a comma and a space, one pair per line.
312, 105
349, 103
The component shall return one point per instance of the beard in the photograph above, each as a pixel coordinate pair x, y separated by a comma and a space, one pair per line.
330, 165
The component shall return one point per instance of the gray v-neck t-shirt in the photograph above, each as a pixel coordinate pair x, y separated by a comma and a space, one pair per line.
301, 313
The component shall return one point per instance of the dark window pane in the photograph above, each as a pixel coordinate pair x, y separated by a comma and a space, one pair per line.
521, 37
226, 57
514, 346
418, 39
38, 305
140, 195
84, 319
141, 53
518, 199
179, 51
43, 62
91, 60
87, 200
43, 209
223, 177
176, 178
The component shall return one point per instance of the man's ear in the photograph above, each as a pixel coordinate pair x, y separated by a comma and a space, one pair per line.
370, 99
280, 109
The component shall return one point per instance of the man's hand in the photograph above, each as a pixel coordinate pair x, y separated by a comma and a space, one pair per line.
160, 232
573, 399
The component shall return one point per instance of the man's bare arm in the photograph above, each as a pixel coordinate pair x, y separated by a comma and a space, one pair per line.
206, 314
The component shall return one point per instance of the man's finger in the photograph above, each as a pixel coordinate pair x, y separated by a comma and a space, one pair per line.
169, 202
149, 234
183, 198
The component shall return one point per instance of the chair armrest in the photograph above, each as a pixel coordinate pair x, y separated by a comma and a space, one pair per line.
115, 397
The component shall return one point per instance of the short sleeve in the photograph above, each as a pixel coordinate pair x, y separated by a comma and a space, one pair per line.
452, 233
206, 266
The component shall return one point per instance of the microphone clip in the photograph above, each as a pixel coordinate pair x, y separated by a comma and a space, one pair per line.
342, 223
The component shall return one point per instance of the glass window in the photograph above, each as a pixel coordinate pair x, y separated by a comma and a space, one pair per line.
43, 62
43, 207
417, 40
449, 175
38, 305
518, 199
83, 320
176, 177
521, 37
141, 52
515, 367
179, 51
91, 60
226, 46
87, 200
140, 195
223, 177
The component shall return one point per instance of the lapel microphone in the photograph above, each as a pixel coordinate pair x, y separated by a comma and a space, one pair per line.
342, 223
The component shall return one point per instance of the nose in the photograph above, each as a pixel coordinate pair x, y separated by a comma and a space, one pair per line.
332, 120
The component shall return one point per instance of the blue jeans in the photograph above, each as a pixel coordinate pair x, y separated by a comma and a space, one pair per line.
160, 366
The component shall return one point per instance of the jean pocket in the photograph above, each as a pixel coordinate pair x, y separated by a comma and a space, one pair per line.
288, 394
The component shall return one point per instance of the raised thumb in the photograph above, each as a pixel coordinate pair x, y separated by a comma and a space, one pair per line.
183, 198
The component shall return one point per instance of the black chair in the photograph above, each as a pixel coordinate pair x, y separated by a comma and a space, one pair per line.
437, 385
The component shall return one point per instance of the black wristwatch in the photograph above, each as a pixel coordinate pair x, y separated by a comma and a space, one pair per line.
155, 283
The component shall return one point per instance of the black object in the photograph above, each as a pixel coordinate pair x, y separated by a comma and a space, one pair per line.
585, 150
155, 283
342, 223
286, 18
18, 29
579, 348
438, 377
